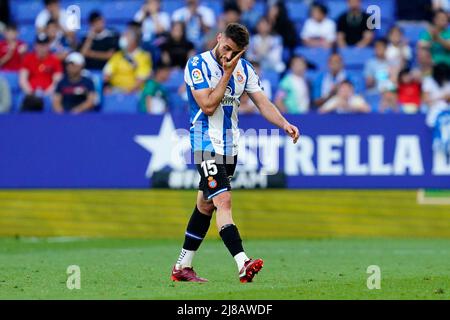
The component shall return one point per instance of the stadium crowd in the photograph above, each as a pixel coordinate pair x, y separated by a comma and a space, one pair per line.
310, 56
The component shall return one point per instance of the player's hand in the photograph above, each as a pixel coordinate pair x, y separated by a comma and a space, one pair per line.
228, 66
292, 131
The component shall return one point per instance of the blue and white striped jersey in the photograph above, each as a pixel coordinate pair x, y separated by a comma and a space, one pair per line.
218, 133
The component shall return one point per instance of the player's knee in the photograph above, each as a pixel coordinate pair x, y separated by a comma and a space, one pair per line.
223, 201
206, 207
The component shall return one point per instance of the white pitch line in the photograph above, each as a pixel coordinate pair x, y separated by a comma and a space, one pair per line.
421, 199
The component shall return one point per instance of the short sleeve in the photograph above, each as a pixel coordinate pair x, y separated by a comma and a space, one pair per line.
253, 83
195, 73
58, 65
307, 30
59, 86
425, 36
26, 64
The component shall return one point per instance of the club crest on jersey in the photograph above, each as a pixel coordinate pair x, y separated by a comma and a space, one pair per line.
197, 76
240, 77
212, 183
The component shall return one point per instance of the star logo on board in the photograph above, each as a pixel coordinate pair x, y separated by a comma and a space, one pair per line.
167, 148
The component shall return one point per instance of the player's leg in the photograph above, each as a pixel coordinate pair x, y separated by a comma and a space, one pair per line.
196, 230
229, 233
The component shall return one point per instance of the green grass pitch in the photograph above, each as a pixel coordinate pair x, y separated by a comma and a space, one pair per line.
294, 269
316, 245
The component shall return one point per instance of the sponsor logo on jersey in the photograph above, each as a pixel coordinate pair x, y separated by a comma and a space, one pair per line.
197, 76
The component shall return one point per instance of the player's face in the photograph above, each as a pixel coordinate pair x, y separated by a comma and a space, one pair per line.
226, 48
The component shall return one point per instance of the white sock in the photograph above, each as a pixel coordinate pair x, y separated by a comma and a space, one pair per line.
185, 259
240, 259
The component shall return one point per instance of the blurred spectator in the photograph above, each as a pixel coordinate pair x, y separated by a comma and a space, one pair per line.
417, 10
345, 101
293, 93
12, 50
154, 21
398, 52
74, 93
100, 44
4, 14
58, 42
40, 73
424, 63
154, 97
52, 11
409, 91
326, 84
5, 96
436, 92
377, 70
198, 19
247, 105
266, 48
381, 76
249, 17
319, 30
176, 50
129, 68
352, 26
440, 5
437, 38
282, 25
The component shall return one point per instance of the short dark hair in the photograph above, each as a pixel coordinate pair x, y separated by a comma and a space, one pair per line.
49, 2
322, 8
94, 16
11, 26
438, 12
238, 33
382, 41
51, 21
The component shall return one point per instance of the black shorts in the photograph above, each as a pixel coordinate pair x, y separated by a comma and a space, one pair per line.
215, 171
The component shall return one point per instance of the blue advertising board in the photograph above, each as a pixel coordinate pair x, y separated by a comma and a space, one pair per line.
129, 151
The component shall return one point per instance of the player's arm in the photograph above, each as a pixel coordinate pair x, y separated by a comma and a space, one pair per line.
272, 114
209, 99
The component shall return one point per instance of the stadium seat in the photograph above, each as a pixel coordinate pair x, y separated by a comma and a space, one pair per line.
297, 11
13, 80
357, 78
336, 8
374, 101
413, 32
170, 6
121, 11
273, 77
120, 103
355, 58
315, 56
25, 12
27, 33
176, 79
